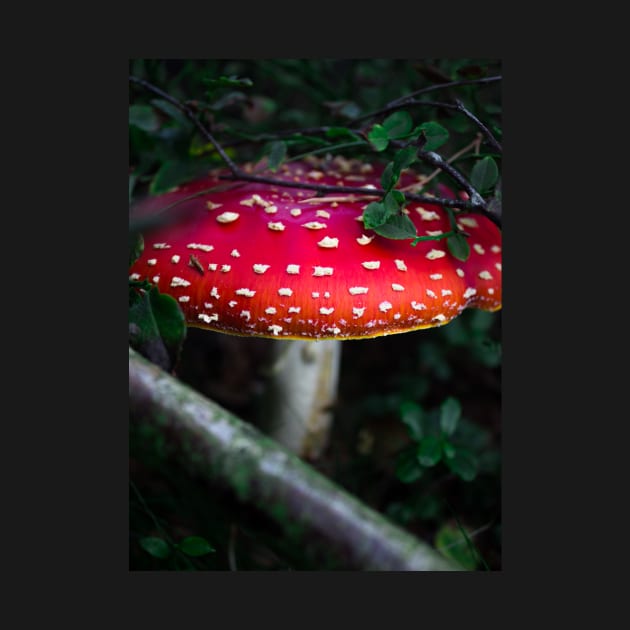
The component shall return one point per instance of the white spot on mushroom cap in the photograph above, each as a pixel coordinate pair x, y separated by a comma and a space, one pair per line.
357, 290
295, 212
326, 311
134, 276
323, 214
212, 266
246, 314
294, 309
184, 298
439, 318
358, 311
314, 225
400, 265
156, 279
322, 271
245, 292
276, 226
436, 253
258, 268
397, 287
446, 292
285, 291
385, 306
214, 293
417, 306
364, 240
478, 248
235, 253
270, 310
469, 292
293, 269
225, 268
328, 242
208, 318
152, 261
371, 264
275, 329
232, 303
459, 272
495, 249
201, 246
485, 275
175, 258
431, 293
427, 215
271, 209
498, 266
470, 222
213, 206
227, 217
179, 282
161, 246
435, 276
315, 294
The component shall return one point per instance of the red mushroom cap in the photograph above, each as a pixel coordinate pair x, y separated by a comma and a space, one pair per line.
270, 261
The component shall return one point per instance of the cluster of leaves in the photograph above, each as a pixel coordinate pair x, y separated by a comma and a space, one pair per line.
438, 435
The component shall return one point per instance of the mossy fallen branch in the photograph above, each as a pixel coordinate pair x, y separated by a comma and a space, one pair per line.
310, 509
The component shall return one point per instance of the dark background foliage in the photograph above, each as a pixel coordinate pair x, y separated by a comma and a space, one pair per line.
417, 431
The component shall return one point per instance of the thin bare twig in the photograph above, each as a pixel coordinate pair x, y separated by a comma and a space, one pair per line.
192, 116
410, 98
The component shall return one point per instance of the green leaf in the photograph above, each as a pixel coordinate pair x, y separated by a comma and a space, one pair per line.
463, 464
195, 546
399, 227
340, 132
408, 469
173, 173
411, 416
398, 124
136, 247
389, 177
375, 214
405, 158
277, 154
435, 134
133, 178
450, 412
391, 204
429, 451
155, 546
484, 174
448, 449
398, 196
378, 138
157, 327
451, 541
458, 246
170, 110
143, 117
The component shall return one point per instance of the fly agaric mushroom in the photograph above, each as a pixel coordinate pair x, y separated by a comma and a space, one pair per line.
285, 263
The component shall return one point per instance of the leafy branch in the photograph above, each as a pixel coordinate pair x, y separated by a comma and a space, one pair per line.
394, 128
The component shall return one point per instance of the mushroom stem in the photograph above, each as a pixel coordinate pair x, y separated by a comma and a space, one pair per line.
301, 393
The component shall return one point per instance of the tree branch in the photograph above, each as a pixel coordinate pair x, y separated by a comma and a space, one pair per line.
311, 510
